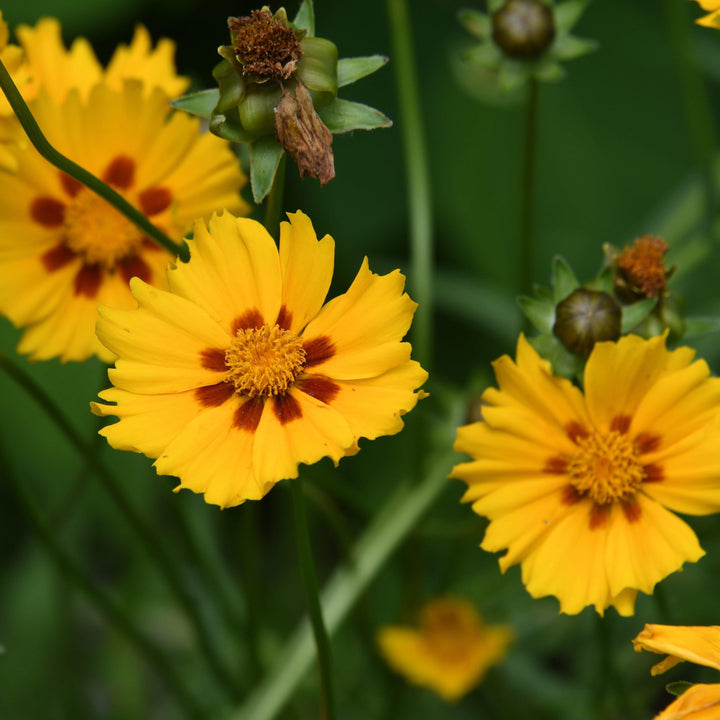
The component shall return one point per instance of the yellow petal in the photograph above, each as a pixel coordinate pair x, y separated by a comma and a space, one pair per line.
700, 645
699, 702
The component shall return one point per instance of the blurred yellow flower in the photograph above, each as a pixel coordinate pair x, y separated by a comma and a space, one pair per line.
578, 487
700, 645
451, 650
712, 7
63, 250
240, 373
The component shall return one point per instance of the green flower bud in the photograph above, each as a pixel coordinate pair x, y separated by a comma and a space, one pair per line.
524, 29
585, 317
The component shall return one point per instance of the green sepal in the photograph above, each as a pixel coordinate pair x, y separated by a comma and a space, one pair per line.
305, 18
701, 325
539, 312
350, 70
476, 23
604, 282
678, 687
485, 56
223, 127
318, 69
201, 103
342, 116
563, 279
568, 13
495, 5
265, 155
569, 47
633, 315
549, 71
564, 363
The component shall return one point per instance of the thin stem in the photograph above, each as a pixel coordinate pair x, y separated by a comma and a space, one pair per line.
386, 531
312, 596
528, 189
145, 535
274, 201
418, 179
696, 101
252, 589
73, 574
41, 144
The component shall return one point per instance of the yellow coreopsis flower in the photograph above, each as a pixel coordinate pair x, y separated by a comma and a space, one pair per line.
579, 486
700, 645
63, 250
239, 372
712, 7
451, 650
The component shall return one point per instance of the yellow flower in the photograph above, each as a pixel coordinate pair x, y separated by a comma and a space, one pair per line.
42, 62
239, 373
578, 487
450, 652
712, 7
700, 645
63, 249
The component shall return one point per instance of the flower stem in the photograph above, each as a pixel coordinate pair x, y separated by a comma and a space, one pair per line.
41, 144
274, 201
528, 188
145, 535
386, 531
312, 596
418, 179
74, 575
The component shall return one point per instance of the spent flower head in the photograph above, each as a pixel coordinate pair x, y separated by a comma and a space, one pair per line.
523, 39
278, 92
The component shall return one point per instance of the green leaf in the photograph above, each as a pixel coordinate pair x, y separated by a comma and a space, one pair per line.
341, 116
265, 155
701, 325
568, 13
200, 103
678, 687
563, 279
305, 18
350, 70
633, 315
568, 47
540, 313
476, 23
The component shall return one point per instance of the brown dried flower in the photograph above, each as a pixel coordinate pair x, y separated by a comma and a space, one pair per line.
266, 47
304, 136
641, 268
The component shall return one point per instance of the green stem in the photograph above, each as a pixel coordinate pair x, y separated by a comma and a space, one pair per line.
73, 574
252, 589
528, 189
312, 596
274, 201
145, 535
387, 530
41, 144
418, 179
698, 109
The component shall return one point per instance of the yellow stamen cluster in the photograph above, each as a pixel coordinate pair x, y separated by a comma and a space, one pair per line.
606, 467
264, 361
95, 230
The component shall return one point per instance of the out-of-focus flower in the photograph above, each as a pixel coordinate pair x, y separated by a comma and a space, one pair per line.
63, 249
699, 645
713, 8
451, 650
579, 486
240, 373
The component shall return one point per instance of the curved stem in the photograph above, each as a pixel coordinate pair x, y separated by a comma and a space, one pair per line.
418, 179
528, 188
41, 144
73, 574
147, 538
312, 596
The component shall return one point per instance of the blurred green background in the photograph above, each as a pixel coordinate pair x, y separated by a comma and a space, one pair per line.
615, 159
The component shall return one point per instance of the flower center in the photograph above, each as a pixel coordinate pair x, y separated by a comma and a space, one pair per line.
264, 361
606, 467
95, 230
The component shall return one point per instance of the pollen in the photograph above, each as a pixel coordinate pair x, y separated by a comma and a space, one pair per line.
642, 265
606, 468
97, 232
264, 361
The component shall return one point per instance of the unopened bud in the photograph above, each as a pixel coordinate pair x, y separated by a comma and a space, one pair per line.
524, 29
304, 136
585, 317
